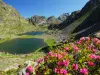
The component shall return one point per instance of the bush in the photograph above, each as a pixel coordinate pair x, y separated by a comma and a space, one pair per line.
81, 57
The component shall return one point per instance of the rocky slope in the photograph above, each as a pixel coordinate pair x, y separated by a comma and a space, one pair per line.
37, 20
84, 22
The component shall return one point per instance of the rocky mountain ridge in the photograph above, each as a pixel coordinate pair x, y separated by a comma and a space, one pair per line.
52, 20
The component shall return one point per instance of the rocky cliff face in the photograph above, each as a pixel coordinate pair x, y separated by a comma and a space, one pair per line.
63, 17
85, 22
37, 20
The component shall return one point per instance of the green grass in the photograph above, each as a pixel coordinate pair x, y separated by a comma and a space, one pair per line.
7, 60
50, 42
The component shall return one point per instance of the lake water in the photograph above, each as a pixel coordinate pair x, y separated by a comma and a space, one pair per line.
23, 46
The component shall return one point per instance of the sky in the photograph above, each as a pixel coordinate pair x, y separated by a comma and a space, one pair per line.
28, 8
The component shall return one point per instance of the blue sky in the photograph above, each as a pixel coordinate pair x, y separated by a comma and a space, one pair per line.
28, 8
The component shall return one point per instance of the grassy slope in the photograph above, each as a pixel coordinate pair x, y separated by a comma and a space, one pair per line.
9, 60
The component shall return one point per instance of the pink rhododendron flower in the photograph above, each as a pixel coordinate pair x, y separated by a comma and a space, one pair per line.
98, 57
27, 73
29, 69
95, 40
91, 63
78, 42
94, 50
92, 56
57, 70
66, 48
75, 66
63, 71
55, 54
98, 42
87, 38
84, 71
82, 39
40, 60
59, 56
60, 63
50, 54
75, 48
65, 62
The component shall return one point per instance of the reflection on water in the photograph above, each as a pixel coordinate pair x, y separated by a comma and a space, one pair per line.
22, 46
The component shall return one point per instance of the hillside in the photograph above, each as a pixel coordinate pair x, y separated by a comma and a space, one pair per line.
11, 22
83, 23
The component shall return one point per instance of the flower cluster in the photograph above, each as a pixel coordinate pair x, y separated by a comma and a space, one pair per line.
81, 57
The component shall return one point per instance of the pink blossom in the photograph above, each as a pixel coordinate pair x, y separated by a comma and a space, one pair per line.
55, 54
75, 48
90, 47
66, 48
60, 71
65, 62
63, 71
50, 54
98, 57
29, 69
98, 42
78, 42
94, 50
57, 70
27, 73
82, 39
87, 38
40, 60
84, 71
60, 63
75, 66
95, 40
91, 63
92, 56
59, 56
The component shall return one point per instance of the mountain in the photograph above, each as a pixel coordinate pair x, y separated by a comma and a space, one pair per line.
37, 20
11, 21
65, 19
82, 23
52, 20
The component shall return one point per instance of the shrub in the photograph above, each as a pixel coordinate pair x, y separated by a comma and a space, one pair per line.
81, 57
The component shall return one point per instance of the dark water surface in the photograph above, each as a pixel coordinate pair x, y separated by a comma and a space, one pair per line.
22, 46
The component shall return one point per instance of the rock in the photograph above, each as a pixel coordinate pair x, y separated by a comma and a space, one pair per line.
63, 17
37, 20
